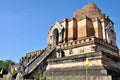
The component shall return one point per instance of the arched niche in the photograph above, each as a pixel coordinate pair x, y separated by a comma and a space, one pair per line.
56, 34
110, 34
60, 53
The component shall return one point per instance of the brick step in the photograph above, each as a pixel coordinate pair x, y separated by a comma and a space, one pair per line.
99, 77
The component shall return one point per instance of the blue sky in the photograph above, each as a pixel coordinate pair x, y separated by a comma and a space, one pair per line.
24, 24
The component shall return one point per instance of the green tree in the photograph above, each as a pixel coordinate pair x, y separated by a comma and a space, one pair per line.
36, 76
39, 76
5, 65
1, 63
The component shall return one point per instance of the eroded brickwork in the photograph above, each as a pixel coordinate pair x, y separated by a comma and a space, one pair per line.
70, 41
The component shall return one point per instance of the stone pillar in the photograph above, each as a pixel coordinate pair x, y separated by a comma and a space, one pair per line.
51, 39
60, 37
103, 29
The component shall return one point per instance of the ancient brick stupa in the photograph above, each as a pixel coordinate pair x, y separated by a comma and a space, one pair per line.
89, 34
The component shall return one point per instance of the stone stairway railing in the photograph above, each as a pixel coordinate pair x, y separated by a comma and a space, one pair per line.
35, 58
39, 60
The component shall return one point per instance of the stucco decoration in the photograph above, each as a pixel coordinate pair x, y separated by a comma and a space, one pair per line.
59, 27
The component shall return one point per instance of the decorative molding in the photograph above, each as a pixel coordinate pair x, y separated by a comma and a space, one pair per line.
80, 57
87, 41
58, 26
76, 43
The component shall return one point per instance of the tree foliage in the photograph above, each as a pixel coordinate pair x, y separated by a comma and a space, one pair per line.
39, 76
5, 66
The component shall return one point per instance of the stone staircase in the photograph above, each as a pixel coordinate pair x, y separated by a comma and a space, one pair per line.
32, 62
39, 59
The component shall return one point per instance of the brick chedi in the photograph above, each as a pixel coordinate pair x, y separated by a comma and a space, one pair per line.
88, 34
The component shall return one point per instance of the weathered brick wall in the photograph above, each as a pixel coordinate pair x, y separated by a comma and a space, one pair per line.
80, 78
